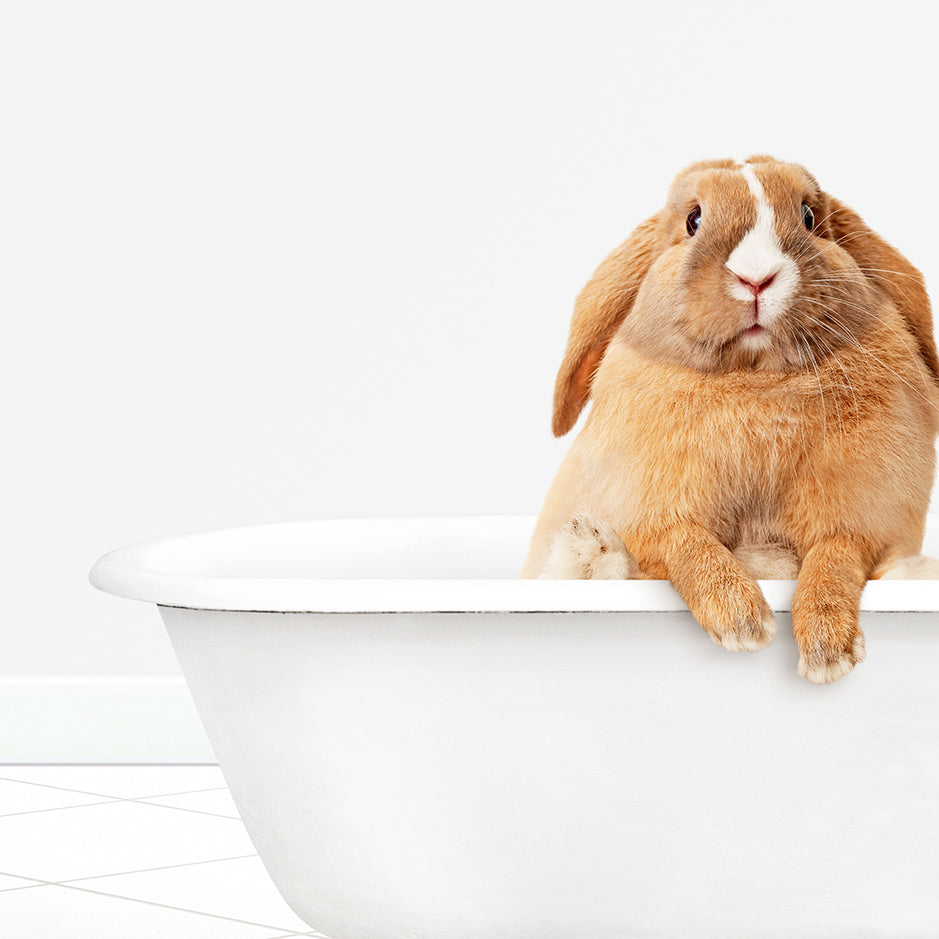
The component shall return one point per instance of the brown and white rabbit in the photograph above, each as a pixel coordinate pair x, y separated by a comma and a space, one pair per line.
765, 391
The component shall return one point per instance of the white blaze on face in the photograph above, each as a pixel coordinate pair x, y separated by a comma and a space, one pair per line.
759, 257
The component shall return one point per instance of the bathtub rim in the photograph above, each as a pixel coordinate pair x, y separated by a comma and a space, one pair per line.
140, 572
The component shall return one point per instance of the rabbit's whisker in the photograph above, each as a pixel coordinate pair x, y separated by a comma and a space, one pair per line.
853, 341
834, 357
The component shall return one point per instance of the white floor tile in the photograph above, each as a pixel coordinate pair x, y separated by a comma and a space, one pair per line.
238, 888
213, 801
116, 838
17, 797
53, 912
122, 782
181, 823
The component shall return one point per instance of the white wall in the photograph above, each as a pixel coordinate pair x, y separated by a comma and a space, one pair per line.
277, 260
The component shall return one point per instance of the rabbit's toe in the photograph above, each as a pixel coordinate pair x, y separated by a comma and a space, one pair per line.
821, 664
748, 634
587, 550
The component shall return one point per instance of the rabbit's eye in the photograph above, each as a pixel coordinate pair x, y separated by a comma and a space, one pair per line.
808, 217
693, 222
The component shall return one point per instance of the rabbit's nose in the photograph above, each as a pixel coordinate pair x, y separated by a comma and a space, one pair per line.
759, 287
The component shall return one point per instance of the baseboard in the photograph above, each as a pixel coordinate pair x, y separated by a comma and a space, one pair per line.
100, 720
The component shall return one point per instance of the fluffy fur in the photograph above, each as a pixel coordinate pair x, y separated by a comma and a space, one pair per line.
770, 418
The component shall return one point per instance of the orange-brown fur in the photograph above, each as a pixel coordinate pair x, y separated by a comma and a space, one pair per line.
698, 444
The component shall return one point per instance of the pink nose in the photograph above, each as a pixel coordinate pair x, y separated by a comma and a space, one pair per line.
757, 288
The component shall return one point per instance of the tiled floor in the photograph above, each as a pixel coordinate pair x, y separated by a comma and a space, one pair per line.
110, 852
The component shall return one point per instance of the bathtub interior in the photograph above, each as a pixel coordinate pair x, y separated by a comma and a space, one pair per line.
356, 548
485, 547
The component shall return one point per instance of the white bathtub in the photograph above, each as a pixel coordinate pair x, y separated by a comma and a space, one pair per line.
424, 747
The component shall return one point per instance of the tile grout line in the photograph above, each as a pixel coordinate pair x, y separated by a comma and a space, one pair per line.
179, 808
188, 792
117, 800
33, 882
69, 885
297, 935
61, 808
313, 934
80, 792
146, 870
32, 886
166, 906
107, 800
293, 935
150, 870
85, 792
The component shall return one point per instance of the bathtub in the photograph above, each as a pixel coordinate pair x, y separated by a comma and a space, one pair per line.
423, 746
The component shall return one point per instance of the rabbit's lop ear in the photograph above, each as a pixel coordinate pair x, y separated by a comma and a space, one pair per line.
890, 273
600, 308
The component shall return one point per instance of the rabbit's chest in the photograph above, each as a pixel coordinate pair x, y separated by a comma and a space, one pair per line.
746, 450
723, 447
734, 450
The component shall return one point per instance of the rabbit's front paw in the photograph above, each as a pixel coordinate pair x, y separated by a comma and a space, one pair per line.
826, 626
587, 550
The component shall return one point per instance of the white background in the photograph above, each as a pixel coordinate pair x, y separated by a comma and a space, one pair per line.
280, 260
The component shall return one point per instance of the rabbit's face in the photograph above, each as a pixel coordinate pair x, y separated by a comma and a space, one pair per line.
751, 277
748, 266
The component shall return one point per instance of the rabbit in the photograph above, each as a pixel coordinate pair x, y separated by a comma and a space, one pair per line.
765, 403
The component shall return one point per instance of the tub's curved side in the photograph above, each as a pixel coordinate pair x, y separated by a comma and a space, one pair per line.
506, 775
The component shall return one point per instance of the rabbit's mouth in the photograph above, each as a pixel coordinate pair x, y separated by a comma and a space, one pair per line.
755, 323
755, 337
757, 346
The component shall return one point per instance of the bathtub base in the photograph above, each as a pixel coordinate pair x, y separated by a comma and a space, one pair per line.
560, 775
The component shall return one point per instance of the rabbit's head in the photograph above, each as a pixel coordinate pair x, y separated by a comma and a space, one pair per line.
747, 266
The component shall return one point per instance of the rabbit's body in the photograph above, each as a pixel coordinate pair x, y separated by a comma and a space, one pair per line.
795, 428
754, 457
